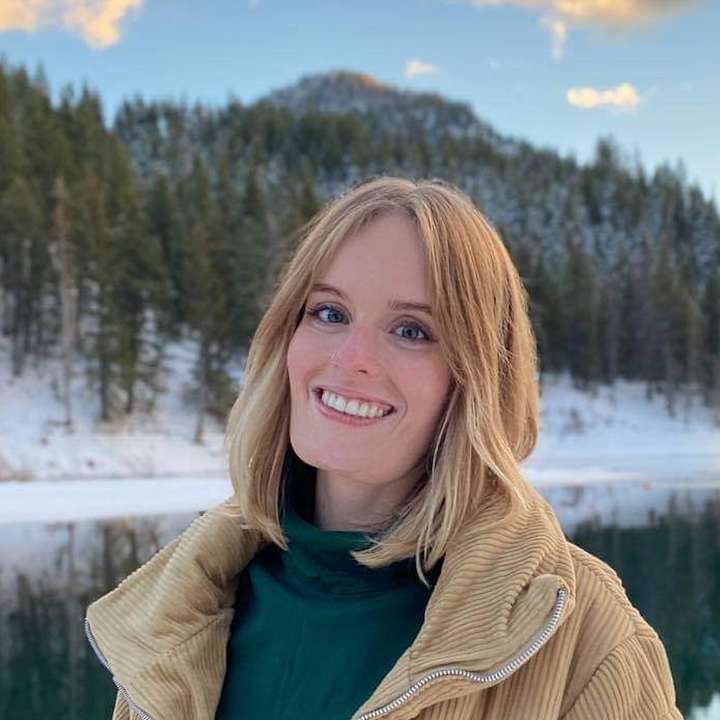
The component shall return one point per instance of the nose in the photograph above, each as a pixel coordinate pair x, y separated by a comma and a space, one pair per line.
357, 352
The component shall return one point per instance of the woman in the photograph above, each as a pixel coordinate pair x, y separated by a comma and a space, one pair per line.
395, 565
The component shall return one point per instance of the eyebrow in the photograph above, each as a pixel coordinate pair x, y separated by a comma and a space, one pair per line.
392, 305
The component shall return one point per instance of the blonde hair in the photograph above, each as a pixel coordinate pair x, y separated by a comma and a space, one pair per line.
490, 422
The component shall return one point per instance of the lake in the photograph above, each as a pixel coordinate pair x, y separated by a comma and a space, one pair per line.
663, 540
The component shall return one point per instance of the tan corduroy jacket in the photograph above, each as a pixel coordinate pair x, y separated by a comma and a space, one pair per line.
522, 625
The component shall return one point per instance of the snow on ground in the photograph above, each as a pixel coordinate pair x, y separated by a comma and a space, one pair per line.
52, 501
34, 443
612, 451
77, 500
619, 434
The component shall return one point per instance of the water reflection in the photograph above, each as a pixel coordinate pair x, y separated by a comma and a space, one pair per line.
49, 573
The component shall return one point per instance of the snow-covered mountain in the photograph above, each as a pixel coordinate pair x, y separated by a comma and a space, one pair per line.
386, 108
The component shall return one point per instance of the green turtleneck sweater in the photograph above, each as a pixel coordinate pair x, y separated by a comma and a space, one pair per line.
314, 632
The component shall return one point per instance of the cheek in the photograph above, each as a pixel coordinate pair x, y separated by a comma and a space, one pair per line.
294, 359
301, 355
430, 389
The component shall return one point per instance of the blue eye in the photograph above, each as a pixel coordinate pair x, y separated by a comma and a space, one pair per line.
315, 313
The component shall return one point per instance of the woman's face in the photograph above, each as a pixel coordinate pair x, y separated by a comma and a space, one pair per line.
357, 343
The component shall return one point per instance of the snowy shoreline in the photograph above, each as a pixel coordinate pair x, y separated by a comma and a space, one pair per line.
624, 502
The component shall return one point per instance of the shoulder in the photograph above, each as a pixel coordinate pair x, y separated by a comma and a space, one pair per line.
619, 665
601, 596
184, 587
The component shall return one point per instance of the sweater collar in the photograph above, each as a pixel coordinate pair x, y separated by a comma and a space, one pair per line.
497, 587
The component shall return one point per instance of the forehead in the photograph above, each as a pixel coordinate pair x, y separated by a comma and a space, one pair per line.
386, 255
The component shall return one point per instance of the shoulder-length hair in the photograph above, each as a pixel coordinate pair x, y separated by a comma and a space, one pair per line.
490, 420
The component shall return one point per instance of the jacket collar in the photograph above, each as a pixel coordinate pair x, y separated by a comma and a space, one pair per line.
498, 586
497, 589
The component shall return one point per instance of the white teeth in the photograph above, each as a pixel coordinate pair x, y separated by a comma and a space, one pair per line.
352, 407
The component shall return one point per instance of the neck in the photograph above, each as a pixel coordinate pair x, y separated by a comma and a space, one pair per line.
345, 504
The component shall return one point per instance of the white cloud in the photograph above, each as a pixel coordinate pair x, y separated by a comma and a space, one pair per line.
621, 14
493, 64
417, 67
21, 14
624, 97
97, 21
615, 16
558, 33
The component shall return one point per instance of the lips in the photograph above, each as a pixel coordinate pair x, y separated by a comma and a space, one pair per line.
350, 420
354, 395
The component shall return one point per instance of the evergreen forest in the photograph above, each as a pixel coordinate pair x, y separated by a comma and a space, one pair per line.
171, 220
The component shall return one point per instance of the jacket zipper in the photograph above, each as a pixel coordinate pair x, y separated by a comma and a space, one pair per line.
507, 669
123, 692
520, 659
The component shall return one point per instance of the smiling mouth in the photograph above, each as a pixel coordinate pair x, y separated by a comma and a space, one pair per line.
319, 393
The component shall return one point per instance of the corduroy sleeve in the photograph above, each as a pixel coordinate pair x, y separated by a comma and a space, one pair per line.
633, 682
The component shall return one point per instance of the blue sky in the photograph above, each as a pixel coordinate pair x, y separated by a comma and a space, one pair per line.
559, 73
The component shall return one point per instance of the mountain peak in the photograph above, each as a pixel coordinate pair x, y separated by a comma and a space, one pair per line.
360, 79
387, 108
335, 91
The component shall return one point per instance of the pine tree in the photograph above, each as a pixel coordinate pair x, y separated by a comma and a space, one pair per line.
610, 322
255, 269
20, 239
546, 306
645, 314
164, 224
100, 343
206, 302
230, 251
580, 315
12, 160
64, 262
138, 283
301, 205
627, 308
667, 299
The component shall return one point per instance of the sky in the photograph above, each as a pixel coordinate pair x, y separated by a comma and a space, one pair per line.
557, 73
